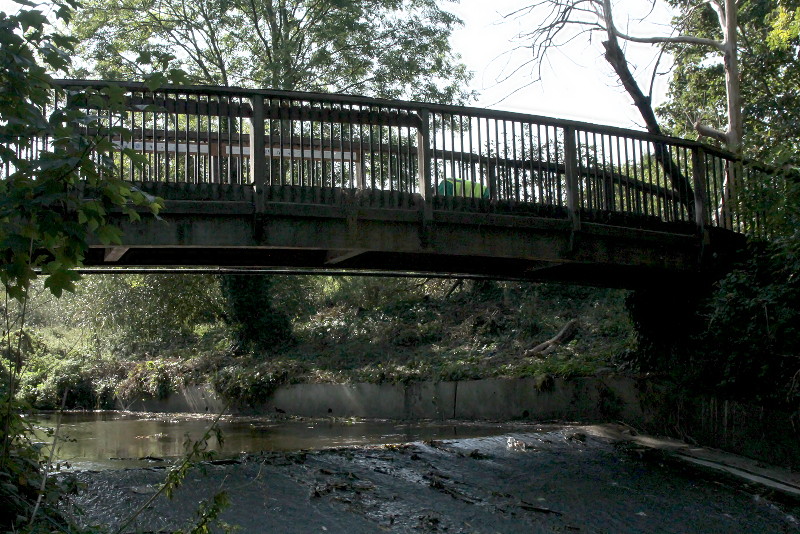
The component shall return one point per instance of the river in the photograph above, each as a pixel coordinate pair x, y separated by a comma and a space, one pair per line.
115, 440
362, 477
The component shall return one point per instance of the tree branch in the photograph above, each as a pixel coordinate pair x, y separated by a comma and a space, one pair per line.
713, 133
679, 39
616, 58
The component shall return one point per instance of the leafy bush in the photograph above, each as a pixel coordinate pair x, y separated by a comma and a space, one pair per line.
132, 315
247, 381
750, 346
740, 340
90, 382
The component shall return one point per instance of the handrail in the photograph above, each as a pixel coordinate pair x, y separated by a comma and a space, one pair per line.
516, 162
405, 104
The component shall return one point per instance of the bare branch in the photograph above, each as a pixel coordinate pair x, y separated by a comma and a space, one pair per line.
713, 133
678, 39
655, 72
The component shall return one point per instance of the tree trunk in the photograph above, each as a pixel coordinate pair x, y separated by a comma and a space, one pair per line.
616, 58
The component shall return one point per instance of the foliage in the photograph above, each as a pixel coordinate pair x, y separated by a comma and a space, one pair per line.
785, 25
769, 81
57, 188
387, 48
400, 330
136, 315
344, 329
250, 381
88, 383
21, 477
749, 346
47, 215
258, 323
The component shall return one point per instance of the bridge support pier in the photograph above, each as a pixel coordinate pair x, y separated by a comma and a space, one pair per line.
666, 318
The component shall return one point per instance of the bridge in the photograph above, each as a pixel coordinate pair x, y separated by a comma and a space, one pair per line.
270, 179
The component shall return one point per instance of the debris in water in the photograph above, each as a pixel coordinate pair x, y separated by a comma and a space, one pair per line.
517, 444
144, 490
477, 455
533, 508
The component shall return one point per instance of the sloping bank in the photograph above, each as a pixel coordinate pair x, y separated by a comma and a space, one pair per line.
767, 435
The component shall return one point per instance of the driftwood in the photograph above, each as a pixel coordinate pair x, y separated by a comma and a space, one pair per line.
564, 335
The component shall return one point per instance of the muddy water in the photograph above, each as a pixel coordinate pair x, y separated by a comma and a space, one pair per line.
114, 440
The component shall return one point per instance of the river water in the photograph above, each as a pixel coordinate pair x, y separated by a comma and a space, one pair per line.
115, 440
353, 477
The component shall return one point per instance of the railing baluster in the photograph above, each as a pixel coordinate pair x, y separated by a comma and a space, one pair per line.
571, 176
362, 170
351, 131
257, 150
424, 166
699, 184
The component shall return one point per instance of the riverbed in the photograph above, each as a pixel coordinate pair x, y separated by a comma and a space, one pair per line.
515, 478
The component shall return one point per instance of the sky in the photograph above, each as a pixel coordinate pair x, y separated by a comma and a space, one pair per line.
576, 83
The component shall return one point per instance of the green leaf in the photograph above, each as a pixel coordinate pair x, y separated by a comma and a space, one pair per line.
32, 18
109, 235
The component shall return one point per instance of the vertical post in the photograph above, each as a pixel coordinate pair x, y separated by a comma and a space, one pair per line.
733, 208
424, 166
258, 158
571, 176
699, 185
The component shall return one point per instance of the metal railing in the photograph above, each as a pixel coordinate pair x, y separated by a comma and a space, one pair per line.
454, 158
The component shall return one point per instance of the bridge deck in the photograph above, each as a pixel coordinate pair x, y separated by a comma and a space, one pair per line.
349, 229
266, 178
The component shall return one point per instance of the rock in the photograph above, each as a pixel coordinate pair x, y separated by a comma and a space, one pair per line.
576, 436
144, 490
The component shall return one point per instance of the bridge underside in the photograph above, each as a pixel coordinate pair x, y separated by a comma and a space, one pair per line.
337, 230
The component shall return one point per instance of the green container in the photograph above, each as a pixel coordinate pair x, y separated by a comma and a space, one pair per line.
462, 188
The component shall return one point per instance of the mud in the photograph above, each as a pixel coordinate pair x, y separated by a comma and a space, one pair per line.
553, 480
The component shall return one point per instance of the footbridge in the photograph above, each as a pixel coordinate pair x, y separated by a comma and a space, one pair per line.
269, 179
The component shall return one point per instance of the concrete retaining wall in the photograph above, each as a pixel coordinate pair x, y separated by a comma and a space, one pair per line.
526, 398
192, 399
753, 431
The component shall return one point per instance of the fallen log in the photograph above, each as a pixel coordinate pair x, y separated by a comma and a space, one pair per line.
564, 335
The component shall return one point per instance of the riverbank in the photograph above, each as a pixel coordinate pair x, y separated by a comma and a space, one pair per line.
352, 330
582, 479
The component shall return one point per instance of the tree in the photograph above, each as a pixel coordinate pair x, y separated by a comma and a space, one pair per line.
589, 16
258, 324
386, 48
383, 48
769, 75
